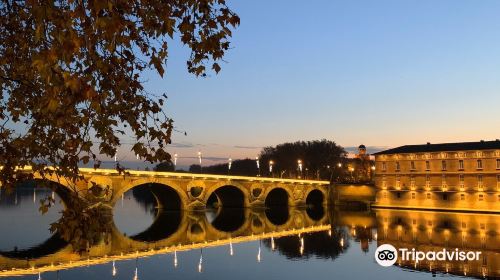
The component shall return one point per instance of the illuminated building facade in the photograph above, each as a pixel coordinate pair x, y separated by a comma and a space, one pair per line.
455, 176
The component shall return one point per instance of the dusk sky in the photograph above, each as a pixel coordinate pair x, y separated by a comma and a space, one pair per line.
381, 73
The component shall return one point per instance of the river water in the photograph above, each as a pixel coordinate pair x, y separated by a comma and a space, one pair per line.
147, 243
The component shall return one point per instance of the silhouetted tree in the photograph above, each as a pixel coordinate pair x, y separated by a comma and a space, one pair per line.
241, 167
319, 158
165, 166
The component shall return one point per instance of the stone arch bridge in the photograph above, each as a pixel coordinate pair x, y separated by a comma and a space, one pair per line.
189, 191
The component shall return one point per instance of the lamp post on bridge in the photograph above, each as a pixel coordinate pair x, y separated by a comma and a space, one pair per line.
299, 163
229, 163
271, 168
175, 162
258, 166
199, 159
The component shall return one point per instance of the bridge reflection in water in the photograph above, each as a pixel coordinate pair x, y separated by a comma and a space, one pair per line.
296, 233
170, 232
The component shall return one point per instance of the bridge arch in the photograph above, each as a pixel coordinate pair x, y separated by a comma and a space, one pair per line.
227, 194
277, 196
315, 197
168, 193
62, 189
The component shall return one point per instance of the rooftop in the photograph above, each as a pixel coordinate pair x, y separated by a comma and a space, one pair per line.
443, 147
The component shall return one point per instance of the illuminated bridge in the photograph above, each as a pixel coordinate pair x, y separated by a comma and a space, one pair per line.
194, 191
190, 230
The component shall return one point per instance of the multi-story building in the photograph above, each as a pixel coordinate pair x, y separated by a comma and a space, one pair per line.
453, 176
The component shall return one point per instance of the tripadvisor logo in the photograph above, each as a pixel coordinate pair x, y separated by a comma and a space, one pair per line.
387, 255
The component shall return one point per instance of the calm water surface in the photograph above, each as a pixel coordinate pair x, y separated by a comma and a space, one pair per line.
240, 244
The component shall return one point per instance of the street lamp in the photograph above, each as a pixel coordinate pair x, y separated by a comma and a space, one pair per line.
229, 163
258, 165
199, 159
175, 161
299, 163
339, 165
271, 167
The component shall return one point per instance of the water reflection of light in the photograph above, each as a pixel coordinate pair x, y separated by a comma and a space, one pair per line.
301, 245
114, 269
136, 277
136, 274
342, 242
39, 276
330, 232
231, 252
175, 259
272, 244
200, 264
375, 236
258, 254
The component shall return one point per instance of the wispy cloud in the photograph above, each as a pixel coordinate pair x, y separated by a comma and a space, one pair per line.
182, 145
207, 158
248, 147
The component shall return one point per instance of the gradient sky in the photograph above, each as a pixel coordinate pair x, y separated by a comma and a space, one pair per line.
381, 73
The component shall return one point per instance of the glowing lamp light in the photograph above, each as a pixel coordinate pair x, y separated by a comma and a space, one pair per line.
199, 156
271, 163
257, 161
175, 160
299, 163
273, 247
229, 163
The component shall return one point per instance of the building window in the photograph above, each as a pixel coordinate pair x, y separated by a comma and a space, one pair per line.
427, 165
443, 180
398, 194
480, 179
412, 195
398, 181
479, 164
385, 195
428, 195
481, 197
412, 165
462, 196
412, 182
384, 166
427, 181
397, 166
445, 196
443, 165
461, 164
498, 163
